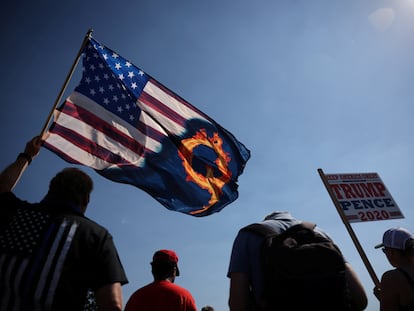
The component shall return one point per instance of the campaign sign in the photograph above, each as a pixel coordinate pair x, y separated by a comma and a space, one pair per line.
363, 197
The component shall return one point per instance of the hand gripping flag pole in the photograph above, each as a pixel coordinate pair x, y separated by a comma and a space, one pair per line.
69, 76
349, 228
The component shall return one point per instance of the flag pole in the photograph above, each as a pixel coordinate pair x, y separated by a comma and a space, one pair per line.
65, 84
349, 228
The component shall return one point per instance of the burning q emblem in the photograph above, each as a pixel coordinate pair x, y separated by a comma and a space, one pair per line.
209, 182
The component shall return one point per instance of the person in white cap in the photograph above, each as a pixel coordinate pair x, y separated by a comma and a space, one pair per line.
396, 291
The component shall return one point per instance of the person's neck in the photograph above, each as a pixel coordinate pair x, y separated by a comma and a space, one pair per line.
64, 204
170, 279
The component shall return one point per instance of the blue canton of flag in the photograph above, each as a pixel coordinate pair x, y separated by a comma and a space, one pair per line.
132, 129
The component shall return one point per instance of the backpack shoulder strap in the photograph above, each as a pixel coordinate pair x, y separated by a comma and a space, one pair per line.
291, 231
267, 231
300, 226
259, 229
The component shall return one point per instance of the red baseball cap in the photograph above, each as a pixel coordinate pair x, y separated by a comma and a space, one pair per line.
168, 256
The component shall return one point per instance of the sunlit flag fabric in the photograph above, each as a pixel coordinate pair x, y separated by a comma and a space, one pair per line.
132, 129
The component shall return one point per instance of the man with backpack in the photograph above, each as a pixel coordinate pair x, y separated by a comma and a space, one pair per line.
283, 263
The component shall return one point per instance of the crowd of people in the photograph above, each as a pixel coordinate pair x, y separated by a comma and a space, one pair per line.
52, 257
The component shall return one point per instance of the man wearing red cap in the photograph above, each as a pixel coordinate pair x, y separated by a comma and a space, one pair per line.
396, 291
162, 294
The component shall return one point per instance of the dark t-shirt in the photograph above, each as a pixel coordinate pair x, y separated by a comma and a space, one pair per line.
51, 254
410, 306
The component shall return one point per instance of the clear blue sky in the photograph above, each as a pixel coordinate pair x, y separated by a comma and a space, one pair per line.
303, 84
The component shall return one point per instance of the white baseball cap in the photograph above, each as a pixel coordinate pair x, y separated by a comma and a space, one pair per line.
398, 238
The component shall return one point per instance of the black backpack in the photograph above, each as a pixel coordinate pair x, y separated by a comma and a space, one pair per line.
302, 269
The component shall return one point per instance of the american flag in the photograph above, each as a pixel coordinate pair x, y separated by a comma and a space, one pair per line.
132, 129
30, 239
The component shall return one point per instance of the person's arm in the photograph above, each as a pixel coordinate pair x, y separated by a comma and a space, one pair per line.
12, 173
389, 298
358, 294
240, 296
109, 297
